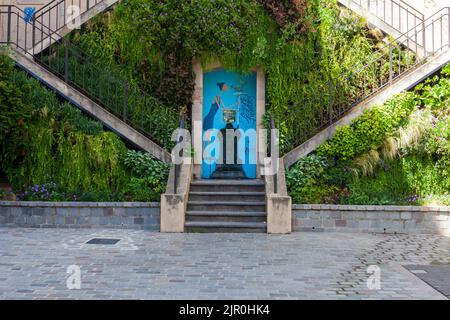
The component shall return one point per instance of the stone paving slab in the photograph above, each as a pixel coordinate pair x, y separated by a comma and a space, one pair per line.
151, 265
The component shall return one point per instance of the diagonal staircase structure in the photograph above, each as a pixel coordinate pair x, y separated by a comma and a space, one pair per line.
393, 73
57, 16
127, 111
393, 17
217, 206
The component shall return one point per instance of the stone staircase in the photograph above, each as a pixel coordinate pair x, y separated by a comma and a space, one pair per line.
226, 206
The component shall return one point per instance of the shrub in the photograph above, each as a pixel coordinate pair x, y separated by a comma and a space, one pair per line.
44, 140
370, 129
142, 164
149, 176
145, 189
406, 180
306, 180
398, 153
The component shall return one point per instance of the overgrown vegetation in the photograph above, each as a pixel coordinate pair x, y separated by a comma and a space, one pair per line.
51, 151
397, 153
300, 44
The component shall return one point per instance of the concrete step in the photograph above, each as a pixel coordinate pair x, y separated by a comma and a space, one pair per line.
228, 216
225, 226
226, 196
254, 185
238, 206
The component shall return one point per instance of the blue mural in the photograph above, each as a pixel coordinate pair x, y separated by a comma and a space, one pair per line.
229, 102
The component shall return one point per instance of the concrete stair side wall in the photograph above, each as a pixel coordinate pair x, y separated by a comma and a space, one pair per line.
406, 82
89, 106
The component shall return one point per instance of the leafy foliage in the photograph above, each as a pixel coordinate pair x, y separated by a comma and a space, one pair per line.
51, 151
370, 129
304, 180
397, 153
300, 45
409, 180
143, 164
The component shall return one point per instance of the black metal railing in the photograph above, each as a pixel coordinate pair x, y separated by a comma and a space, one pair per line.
177, 164
331, 101
77, 69
296, 124
55, 14
273, 142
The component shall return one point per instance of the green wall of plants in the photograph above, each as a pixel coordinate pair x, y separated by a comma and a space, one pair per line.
300, 44
51, 151
397, 153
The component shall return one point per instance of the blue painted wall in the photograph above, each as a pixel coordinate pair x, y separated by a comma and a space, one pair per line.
233, 91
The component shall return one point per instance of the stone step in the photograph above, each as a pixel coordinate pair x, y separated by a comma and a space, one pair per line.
244, 185
227, 181
225, 226
239, 206
229, 216
226, 196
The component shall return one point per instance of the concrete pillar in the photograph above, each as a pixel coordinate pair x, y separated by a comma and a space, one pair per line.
279, 214
172, 213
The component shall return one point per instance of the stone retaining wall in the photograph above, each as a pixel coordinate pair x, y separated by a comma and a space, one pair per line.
388, 219
132, 215
146, 215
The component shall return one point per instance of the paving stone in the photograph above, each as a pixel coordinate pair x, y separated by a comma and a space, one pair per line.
151, 265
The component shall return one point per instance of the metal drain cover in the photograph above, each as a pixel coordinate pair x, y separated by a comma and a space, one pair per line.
103, 241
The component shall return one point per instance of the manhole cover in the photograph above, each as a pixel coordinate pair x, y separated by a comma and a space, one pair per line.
103, 241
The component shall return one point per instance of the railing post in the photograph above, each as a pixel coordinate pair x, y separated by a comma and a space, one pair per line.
124, 100
424, 44
331, 102
390, 62
66, 62
448, 30
273, 137
177, 166
33, 35
8, 31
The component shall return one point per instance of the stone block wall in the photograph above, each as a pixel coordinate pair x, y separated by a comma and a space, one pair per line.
132, 215
146, 215
385, 219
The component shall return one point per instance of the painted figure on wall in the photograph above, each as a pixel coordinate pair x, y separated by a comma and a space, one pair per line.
217, 104
229, 102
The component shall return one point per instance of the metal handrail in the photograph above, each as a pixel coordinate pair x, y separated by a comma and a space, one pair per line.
75, 67
304, 119
50, 14
272, 138
177, 165
397, 8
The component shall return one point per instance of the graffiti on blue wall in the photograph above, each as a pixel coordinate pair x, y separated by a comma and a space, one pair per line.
229, 102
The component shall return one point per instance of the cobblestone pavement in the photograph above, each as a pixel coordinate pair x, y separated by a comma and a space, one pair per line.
150, 265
